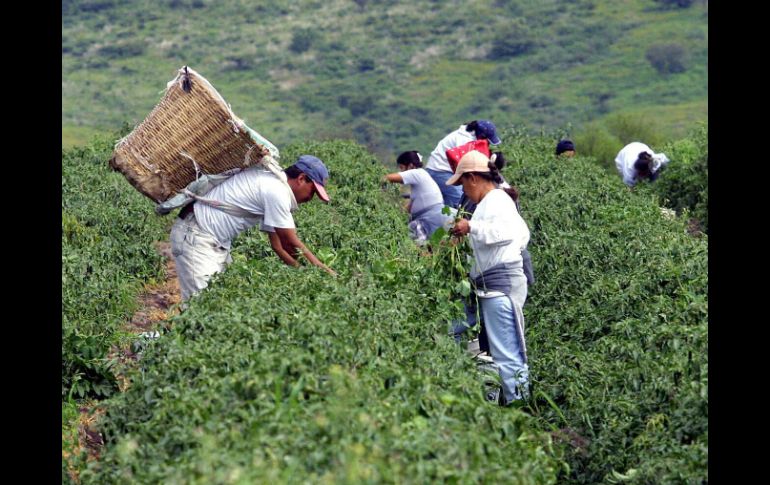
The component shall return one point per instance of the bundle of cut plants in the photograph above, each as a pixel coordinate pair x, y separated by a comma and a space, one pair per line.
191, 131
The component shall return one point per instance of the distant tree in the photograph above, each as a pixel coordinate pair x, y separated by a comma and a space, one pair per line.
302, 40
601, 100
366, 64
238, 63
358, 103
541, 101
89, 5
668, 58
123, 49
629, 127
594, 140
675, 3
514, 40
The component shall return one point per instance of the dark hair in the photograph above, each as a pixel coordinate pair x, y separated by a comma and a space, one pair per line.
643, 163
494, 175
292, 172
409, 158
472, 126
564, 146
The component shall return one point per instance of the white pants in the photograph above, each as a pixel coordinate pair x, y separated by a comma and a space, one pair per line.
197, 254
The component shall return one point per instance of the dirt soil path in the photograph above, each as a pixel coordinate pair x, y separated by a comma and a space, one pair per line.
157, 303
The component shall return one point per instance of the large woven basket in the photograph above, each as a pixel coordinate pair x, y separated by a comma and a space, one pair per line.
191, 128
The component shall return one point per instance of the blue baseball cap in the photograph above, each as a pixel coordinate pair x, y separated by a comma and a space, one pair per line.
316, 171
486, 129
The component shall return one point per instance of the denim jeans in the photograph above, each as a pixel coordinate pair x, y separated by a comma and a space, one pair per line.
460, 326
451, 193
506, 345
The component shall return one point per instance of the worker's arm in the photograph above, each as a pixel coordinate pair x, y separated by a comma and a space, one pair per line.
291, 243
393, 178
275, 243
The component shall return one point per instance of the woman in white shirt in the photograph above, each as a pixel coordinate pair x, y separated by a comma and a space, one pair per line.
497, 235
636, 161
426, 203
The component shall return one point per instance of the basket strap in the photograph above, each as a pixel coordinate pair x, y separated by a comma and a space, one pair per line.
225, 207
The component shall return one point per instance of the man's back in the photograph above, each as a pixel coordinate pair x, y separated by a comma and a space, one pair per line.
255, 190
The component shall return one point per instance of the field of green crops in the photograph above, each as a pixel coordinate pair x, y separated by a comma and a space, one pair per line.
286, 375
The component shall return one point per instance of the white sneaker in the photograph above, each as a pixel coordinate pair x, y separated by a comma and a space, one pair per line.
484, 357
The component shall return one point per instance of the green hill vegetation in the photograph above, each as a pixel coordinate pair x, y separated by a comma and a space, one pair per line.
393, 75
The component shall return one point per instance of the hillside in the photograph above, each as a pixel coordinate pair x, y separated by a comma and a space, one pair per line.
392, 75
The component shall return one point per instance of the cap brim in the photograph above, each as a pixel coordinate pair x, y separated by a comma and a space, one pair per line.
495, 140
321, 191
454, 179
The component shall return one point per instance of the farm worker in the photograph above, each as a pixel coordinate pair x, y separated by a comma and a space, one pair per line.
565, 148
201, 236
636, 161
497, 234
438, 167
467, 206
426, 203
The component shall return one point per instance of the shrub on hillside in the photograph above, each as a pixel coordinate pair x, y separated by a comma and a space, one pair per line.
123, 49
668, 58
514, 40
675, 3
303, 39
595, 140
683, 185
628, 128
604, 139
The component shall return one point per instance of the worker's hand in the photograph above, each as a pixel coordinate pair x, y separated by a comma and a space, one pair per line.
330, 271
461, 228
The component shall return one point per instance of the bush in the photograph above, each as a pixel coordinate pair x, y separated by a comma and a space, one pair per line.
628, 128
302, 40
603, 140
73, 7
366, 64
668, 58
359, 104
239, 63
123, 49
595, 140
675, 3
515, 40
683, 184
541, 101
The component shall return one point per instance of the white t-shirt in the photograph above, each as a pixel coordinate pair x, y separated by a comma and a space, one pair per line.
498, 233
628, 156
256, 190
424, 190
437, 160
